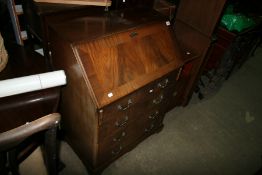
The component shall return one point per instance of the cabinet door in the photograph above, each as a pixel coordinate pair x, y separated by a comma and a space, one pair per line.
202, 15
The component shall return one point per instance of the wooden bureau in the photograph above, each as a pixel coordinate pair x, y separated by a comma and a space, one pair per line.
122, 70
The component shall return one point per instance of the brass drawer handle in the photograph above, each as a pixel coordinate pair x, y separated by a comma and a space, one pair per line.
116, 152
154, 116
118, 139
158, 99
163, 84
123, 108
123, 123
150, 128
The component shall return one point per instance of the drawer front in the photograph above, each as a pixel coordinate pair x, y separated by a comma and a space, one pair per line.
116, 144
158, 103
134, 102
133, 117
145, 109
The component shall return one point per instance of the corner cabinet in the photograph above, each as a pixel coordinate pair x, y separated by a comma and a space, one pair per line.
122, 71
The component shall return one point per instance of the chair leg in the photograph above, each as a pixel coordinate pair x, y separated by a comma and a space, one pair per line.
50, 151
12, 161
3, 168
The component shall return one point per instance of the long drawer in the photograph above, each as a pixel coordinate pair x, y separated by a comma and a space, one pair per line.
117, 144
132, 103
133, 117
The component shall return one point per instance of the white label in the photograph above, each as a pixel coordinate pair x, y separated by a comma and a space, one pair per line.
168, 23
110, 94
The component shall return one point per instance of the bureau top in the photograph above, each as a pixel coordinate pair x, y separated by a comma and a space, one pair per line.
88, 24
121, 52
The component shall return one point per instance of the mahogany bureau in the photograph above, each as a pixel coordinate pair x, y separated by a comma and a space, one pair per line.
121, 69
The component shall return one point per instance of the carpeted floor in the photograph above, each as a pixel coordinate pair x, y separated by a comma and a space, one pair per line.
219, 135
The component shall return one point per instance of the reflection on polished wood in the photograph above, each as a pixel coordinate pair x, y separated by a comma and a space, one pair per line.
79, 2
122, 63
18, 109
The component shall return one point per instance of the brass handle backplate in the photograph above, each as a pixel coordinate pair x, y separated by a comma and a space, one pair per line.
122, 123
123, 108
116, 152
163, 84
119, 138
158, 99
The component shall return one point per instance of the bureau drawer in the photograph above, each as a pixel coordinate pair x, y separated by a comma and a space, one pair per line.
139, 100
112, 128
143, 110
116, 144
153, 97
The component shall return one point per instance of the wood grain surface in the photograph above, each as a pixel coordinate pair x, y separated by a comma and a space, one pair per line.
79, 2
124, 62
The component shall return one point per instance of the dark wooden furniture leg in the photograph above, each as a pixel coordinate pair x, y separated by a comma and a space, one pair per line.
13, 163
51, 155
3, 168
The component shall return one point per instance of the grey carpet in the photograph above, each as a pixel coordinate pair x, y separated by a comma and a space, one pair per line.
219, 135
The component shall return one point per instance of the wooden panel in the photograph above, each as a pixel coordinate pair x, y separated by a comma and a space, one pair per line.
92, 23
119, 4
113, 65
78, 109
79, 2
191, 39
202, 15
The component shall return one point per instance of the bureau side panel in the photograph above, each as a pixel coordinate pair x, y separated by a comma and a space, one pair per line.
194, 41
78, 110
